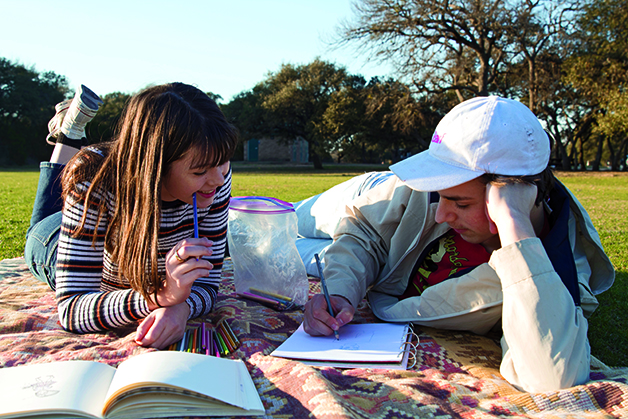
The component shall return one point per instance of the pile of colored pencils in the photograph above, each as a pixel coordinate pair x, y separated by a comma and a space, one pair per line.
205, 339
277, 301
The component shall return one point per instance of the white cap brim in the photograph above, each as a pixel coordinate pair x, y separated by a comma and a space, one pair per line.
486, 134
423, 172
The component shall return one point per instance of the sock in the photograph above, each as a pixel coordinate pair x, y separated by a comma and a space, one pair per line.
78, 143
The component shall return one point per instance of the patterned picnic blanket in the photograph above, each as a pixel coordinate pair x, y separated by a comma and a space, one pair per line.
456, 374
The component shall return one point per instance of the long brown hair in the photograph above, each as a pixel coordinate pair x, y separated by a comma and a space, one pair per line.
157, 127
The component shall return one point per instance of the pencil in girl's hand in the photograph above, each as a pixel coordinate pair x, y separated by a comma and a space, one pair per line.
195, 216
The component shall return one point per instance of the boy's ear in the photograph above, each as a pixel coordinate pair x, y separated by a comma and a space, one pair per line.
492, 227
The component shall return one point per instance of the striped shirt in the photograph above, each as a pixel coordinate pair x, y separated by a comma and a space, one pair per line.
91, 297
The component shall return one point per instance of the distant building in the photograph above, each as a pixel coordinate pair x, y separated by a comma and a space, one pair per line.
272, 149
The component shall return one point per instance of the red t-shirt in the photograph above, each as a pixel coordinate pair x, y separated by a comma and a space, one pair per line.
448, 255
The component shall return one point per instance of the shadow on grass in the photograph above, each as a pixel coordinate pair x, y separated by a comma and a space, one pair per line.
608, 326
18, 169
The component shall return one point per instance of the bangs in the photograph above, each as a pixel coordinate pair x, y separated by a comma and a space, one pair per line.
213, 151
191, 123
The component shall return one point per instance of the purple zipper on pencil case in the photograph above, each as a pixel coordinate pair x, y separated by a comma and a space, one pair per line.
260, 205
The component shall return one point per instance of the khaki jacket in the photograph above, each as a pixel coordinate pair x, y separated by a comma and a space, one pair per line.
385, 231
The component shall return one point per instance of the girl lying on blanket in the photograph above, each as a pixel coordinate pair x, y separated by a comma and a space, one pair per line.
119, 246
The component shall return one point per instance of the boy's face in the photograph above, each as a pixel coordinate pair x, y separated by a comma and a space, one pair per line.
463, 207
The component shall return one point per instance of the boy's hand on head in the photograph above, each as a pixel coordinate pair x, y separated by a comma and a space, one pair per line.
318, 321
509, 209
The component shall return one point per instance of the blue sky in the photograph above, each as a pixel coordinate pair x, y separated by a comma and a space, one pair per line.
222, 46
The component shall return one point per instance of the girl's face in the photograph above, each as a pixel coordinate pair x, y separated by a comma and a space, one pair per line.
182, 181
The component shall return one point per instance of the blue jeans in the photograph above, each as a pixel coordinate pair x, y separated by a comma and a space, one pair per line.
42, 236
319, 215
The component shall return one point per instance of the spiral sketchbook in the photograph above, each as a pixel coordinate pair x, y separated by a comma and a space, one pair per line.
368, 345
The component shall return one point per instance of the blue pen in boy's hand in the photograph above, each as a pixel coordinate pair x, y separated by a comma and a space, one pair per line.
325, 292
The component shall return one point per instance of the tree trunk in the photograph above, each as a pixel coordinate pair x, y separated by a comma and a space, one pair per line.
573, 157
561, 151
316, 160
482, 79
622, 155
598, 154
314, 156
583, 165
613, 156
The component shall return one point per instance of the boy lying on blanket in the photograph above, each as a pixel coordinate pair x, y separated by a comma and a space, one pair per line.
501, 239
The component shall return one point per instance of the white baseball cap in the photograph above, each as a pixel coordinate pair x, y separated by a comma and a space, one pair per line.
481, 135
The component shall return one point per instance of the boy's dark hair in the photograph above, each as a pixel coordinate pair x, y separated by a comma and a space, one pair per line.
544, 182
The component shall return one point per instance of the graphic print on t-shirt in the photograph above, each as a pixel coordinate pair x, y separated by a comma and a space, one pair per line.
448, 255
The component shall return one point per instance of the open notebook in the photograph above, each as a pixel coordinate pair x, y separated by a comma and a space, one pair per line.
370, 345
160, 384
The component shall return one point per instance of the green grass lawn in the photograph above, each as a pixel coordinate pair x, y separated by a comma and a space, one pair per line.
604, 195
17, 194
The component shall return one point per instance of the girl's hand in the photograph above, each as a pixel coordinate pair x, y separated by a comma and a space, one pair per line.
184, 265
318, 321
163, 326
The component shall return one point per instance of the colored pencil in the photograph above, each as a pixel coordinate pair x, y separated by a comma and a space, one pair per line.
260, 299
203, 342
232, 334
225, 340
216, 350
221, 344
263, 293
182, 341
210, 345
